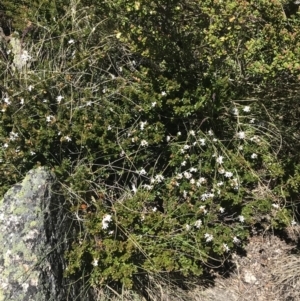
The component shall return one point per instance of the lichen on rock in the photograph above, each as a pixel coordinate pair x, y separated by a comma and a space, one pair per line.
34, 234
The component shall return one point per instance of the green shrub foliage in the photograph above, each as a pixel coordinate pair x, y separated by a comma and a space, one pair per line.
172, 126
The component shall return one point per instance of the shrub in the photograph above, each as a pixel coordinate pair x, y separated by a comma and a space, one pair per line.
160, 126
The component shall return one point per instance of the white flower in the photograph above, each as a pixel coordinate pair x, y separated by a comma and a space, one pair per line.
186, 146
5, 145
179, 176
153, 104
13, 136
71, 41
202, 141
142, 125
45, 100
187, 175
48, 118
144, 143
154, 209
236, 240
253, 156
293, 223
59, 98
235, 111
246, 109
208, 237
241, 147
106, 220
30, 87
22, 101
241, 218
120, 69
184, 194
193, 169
25, 56
210, 133
142, 172
252, 120
241, 135
276, 206
226, 248
228, 174
192, 133
159, 178
221, 209
163, 93
168, 138
95, 262
215, 140
198, 223
32, 153
187, 227
220, 184
7, 101
68, 138
220, 159
89, 103
133, 189
192, 181
179, 134
147, 187
183, 163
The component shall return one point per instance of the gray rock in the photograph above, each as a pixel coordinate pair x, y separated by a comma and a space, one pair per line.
35, 231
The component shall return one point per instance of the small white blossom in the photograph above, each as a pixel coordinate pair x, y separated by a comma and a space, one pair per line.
208, 237
32, 153
202, 141
293, 223
193, 169
179, 176
221, 170
187, 175
184, 194
147, 187
133, 189
103, 90
7, 101
13, 136
187, 227
144, 143
220, 184
252, 120
142, 172
5, 145
246, 109
89, 103
153, 104
95, 262
215, 140
226, 248
159, 178
236, 240
168, 138
186, 146
241, 218
221, 209
25, 56
192, 133
22, 101
241, 147
241, 135
48, 118
235, 111
183, 163
220, 159
71, 41
210, 133
142, 125
192, 181
45, 100
109, 128
68, 138
228, 174
276, 206
179, 134
120, 69
253, 156
59, 98
163, 93
106, 220
154, 209
198, 223
30, 88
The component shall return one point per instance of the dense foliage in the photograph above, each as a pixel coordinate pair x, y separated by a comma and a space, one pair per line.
172, 125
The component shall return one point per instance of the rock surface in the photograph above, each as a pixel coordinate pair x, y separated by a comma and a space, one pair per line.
34, 234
